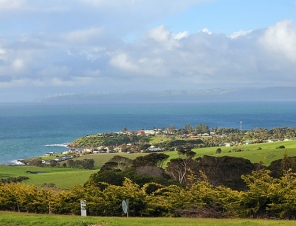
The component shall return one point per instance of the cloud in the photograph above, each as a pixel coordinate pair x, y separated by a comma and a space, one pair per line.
61, 71
240, 33
83, 36
18, 64
280, 39
164, 37
122, 61
81, 46
11, 4
205, 30
181, 35
203, 59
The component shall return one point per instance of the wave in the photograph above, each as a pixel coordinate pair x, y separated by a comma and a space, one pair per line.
57, 145
16, 162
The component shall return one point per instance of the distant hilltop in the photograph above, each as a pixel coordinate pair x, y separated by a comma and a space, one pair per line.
206, 95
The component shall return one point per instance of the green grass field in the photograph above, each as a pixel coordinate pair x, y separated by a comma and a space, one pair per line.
16, 219
100, 159
66, 178
268, 153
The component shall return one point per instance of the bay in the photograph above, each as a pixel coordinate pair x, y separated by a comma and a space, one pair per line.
32, 129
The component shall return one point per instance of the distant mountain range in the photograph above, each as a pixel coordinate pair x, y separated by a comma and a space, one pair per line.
206, 95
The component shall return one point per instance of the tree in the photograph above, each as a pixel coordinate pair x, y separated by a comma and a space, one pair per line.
117, 163
224, 170
188, 128
280, 166
178, 168
268, 196
88, 163
171, 130
153, 159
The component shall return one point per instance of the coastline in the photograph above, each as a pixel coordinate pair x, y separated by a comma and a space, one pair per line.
27, 129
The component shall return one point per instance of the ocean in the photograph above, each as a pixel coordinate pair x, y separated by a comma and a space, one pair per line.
33, 129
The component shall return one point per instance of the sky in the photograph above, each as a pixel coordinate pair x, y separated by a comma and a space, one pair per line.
62, 47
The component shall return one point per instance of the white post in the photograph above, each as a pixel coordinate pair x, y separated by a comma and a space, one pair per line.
83, 208
127, 205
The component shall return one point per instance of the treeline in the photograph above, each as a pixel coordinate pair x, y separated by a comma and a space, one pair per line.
80, 164
253, 134
13, 179
203, 187
108, 139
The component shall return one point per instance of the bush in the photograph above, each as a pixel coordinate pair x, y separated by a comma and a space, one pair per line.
218, 151
14, 179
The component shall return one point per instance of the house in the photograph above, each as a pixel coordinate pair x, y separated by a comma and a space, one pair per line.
150, 132
205, 135
46, 162
140, 132
153, 149
270, 140
228, 144
63, 158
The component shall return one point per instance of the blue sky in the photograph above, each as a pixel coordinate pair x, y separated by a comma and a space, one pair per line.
97, 46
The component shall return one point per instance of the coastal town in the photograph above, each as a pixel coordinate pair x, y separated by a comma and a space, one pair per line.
169, 139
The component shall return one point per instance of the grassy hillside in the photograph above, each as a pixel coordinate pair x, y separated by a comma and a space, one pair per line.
66, 177
267, 154
8, 218
62, 177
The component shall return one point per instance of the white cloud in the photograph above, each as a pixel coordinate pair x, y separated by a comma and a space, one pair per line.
122, 61
206, 30
18, 64
11, 4
86, 55
181, 35
281, 39
15, 83
83, 36
53, 71
65, 45
238, 34
160, 34
164, 37
2, 54
93, 73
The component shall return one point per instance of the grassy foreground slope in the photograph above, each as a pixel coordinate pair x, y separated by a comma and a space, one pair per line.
13, 219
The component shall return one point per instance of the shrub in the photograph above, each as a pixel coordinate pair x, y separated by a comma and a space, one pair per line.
218, 151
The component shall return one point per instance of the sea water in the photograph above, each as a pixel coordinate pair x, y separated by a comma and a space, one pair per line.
33, 129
